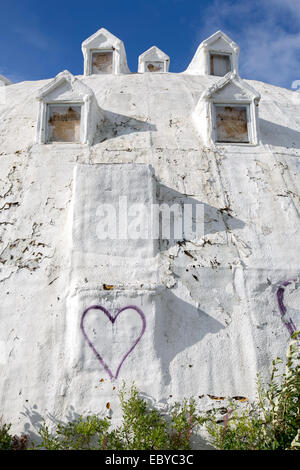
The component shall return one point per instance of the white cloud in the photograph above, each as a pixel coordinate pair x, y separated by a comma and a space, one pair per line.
33, 36
270, 50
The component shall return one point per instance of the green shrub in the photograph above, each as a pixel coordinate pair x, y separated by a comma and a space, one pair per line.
147, 429
142, 428
5, 437
274, 422
81, 434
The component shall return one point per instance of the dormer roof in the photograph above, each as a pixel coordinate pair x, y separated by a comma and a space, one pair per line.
217, 40
232, 88
64, 87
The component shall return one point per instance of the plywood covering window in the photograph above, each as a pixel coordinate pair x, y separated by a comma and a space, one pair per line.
231, 123
220, 64
154, 66
102, 62
64, 122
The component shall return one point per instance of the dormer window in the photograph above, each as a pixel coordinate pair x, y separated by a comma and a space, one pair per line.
227, 113
104, 53
63, 122
153, 60
217, 55
231, 123
102, 62
220, 64
68, 111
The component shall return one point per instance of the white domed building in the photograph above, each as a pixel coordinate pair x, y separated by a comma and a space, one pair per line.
149, 232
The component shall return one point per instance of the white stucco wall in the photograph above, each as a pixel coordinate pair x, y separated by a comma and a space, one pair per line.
214, 307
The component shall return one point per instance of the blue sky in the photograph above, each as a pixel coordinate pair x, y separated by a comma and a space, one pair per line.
40, 39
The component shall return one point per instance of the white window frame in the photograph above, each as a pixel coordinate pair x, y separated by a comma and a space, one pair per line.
228, 54
250, 122
92, 51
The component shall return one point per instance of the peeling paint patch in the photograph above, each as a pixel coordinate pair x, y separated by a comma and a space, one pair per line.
23, 253
108, 287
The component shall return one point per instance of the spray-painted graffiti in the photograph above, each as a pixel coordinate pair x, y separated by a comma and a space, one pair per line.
288, 322
112, 319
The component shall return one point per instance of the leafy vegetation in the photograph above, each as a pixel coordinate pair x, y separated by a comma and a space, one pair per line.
273, 423
142, 428
5, 437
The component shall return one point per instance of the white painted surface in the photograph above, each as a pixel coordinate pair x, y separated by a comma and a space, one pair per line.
213, 319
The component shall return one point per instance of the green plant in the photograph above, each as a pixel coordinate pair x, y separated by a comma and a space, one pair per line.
146, 429
81, 434
272, 423
142, 428
5, 437
275, 421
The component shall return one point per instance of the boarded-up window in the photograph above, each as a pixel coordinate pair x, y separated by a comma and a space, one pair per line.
154, 66
64, 123
102, 62
232, 124
219, 64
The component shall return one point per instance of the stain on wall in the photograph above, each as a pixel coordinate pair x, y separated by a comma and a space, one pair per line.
102, 62
231, 123
64, 123
155, 66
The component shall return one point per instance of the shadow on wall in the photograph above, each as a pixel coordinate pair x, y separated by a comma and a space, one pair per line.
215, 220
197, 441
36, 420
281, 136
178, 326
116, 125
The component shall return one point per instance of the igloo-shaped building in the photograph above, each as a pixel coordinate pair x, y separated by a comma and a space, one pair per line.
92, 294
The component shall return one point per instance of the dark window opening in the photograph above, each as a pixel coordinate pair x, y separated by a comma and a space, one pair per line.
232, 124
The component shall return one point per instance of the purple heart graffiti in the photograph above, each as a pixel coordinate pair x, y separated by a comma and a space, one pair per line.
112, 319
288, 322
